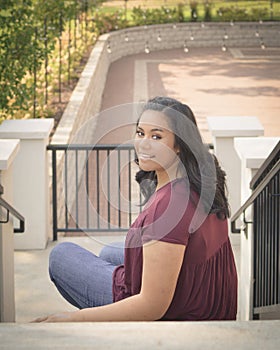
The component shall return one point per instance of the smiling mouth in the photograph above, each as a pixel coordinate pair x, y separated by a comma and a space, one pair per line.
144, 156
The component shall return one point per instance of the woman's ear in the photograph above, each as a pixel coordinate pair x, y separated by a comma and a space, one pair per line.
177, 149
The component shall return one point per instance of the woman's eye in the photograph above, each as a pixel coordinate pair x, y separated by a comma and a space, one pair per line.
140, 133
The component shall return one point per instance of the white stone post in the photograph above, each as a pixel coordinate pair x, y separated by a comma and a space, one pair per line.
252, 153
31, 179
8, 151
224, 130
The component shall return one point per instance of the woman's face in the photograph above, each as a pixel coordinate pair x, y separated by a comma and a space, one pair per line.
155, 142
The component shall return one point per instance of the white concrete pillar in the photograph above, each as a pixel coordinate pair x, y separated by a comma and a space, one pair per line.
8, 151
224, 130
252, 153
30, 179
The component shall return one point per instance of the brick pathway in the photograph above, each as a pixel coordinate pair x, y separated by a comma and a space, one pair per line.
239, 82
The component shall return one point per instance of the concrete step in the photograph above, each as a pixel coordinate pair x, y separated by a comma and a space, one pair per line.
142, 335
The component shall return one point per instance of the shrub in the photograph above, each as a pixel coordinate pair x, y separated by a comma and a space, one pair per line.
180, 9
233, 13
194, 12
242, 14
207, 11
108, 22
258, 14
154, 16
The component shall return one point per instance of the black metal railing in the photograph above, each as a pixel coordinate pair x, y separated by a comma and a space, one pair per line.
92, 188
265, 199
10, 210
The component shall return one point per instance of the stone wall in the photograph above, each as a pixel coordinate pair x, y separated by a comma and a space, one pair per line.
168, 36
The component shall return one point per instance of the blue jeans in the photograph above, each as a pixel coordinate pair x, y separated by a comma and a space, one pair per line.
82, 278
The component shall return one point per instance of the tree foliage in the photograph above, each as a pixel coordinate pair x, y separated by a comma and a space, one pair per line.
28, 32
16, 53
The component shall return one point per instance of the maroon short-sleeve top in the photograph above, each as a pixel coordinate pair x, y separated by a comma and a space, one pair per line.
207, 284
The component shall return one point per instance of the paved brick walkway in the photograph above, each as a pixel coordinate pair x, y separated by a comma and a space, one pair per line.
239, 82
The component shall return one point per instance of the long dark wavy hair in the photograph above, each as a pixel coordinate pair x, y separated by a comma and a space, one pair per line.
195, 157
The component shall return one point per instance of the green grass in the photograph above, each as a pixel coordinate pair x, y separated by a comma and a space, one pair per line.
113, 6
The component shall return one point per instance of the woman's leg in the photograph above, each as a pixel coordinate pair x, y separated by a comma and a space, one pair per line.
113, 253
81, 277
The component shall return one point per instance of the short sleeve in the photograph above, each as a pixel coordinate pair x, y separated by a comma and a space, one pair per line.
168, 217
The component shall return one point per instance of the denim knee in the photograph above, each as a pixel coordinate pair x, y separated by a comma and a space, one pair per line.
113, 253
57, 256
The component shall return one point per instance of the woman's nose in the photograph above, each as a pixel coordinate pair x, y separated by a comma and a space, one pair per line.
145, 143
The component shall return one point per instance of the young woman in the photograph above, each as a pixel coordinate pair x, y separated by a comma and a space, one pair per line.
177, 263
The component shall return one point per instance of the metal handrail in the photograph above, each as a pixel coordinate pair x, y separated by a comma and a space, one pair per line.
253, 196
14, 212
71, 147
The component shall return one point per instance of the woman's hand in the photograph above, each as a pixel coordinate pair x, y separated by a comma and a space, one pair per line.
58, 317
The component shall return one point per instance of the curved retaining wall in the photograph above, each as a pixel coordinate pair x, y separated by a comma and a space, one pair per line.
86, 99
168, 36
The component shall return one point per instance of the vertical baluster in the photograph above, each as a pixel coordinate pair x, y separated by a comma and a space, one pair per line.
256, 252
119, 188
87, 190
265, 247
66, 187
35, 65
262, 242
108, 189
273, 255
77, 187
274, 219
277, 246
60, 57
97, 188
54, 194
46, 60
129, 188
259, 243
